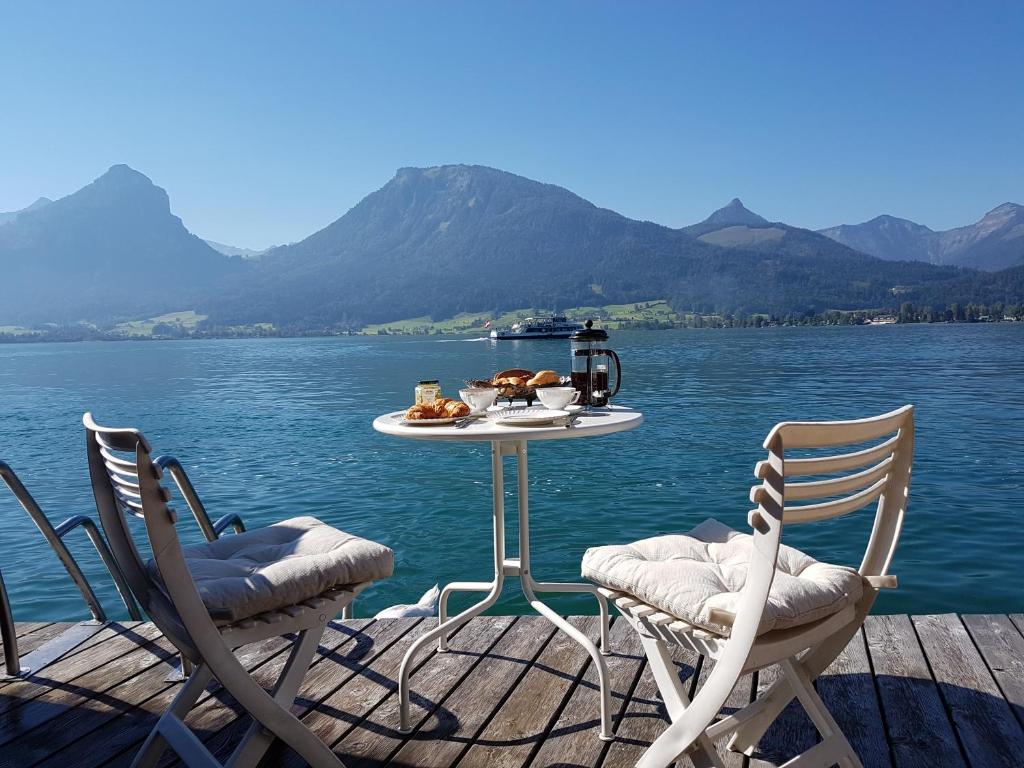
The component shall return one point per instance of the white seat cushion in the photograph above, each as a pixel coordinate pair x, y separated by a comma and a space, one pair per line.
281, 565
686, 575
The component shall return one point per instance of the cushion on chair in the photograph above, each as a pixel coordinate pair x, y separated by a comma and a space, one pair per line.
281, 565
686, 575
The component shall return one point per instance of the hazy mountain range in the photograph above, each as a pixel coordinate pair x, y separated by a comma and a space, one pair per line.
992, 243
234, 250
438, 241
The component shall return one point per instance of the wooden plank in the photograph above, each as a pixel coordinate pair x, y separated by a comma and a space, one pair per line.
848, 689
375, 739
116, 741
33, 634
983, 719
377, 644
94, 706
1018, 621
646, 718
518, 728
920, 733
454, 726
573, 737
344, 700
791, 734
72, 715
1002, 647
742, 694
38, 698
128, 695
29, 641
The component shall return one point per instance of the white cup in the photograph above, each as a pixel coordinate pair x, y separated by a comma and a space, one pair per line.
556, 398
479, 399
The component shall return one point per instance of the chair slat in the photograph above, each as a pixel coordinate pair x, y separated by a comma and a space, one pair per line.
118, 441
827, 464
807, 513
803, 434
111, 459
131, 504
825, 488
129, 484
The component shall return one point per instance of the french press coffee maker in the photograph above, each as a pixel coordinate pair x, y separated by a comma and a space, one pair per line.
590, 364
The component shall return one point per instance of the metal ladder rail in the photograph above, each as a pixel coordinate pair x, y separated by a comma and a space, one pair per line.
54, 536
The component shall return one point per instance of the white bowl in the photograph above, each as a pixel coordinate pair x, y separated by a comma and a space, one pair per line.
557, 398
479, 399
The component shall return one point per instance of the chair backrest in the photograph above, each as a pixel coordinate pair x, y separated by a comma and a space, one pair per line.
877, 470
886, 479
125, 483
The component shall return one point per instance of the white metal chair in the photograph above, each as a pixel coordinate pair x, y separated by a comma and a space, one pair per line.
748, 602
207, 599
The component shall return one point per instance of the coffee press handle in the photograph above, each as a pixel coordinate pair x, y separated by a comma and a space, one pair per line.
618, 369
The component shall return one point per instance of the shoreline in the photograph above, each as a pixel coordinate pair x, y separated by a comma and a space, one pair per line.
51, 338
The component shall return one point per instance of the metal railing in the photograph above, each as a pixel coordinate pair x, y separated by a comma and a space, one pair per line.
54, 536
210, 529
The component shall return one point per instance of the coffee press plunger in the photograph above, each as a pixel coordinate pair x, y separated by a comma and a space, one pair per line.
590, 366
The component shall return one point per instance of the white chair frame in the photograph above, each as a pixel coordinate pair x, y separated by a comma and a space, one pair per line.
803, 652
125, 487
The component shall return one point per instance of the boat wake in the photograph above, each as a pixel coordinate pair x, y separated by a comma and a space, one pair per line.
445, 341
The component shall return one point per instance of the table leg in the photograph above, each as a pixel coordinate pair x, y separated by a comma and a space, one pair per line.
445, 625
514, 567
530, 587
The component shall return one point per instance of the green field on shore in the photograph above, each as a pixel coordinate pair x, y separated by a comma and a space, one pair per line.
611, 316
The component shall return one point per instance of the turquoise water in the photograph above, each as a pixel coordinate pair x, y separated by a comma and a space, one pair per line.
281, 427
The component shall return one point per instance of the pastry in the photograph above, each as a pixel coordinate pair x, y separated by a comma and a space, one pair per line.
421, 411
453, 409
544, 379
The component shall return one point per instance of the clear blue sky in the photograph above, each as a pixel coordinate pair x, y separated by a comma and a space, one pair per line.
266, 121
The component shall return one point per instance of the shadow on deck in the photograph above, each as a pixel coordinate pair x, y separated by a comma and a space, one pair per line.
930, 691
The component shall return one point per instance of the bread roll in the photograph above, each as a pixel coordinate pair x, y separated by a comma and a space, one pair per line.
544, 379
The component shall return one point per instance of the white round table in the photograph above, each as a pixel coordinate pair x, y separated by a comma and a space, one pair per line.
511, 441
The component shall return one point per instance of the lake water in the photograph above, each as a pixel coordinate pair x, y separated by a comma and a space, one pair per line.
281, 427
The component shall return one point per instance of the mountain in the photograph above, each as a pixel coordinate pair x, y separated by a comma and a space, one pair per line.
112, 249
12, 215
733, 214
233, 250
734, 226
443, 240
995, 242
888, 237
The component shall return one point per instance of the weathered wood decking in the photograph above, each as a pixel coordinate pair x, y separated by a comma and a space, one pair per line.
930, 691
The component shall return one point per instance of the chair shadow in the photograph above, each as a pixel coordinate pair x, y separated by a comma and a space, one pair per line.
881, 716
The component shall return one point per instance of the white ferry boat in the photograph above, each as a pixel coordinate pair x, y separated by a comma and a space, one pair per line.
557, 327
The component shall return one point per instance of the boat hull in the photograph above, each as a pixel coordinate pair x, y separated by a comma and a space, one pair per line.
511, 336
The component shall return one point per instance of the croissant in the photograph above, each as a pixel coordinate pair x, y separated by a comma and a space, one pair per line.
454, 409
420, 411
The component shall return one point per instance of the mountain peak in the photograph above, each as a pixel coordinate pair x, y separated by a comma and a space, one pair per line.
735, 213
122, 174
1004, 210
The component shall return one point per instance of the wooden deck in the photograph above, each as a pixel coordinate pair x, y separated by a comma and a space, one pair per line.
930, 691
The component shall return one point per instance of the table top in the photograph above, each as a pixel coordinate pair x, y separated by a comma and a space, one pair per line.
600, 421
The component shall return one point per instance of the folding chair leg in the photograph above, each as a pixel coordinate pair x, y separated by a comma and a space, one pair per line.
833, 742
702, 751
778, 696
257, 739
153, 748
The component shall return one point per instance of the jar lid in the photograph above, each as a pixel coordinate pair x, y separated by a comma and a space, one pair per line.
430, 381
590, 333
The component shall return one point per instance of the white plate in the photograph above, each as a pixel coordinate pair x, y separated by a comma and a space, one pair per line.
430, 422
529, 417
